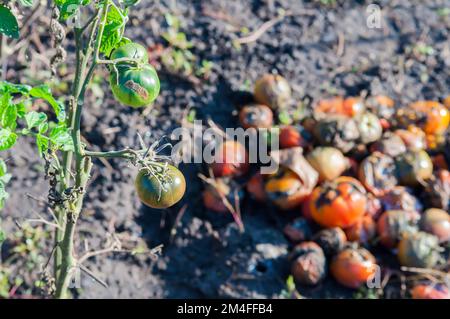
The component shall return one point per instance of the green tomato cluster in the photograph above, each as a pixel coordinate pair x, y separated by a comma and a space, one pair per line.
134, 85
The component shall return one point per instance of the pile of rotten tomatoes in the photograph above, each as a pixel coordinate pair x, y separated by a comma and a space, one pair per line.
360, 174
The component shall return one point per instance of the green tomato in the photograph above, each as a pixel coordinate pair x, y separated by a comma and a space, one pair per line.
131, 50
162, 191
135, 86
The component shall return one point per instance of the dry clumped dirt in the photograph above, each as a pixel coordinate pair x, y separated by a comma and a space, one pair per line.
321, 50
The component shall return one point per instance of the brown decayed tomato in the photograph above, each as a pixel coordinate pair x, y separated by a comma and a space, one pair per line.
400, 198
369, 126
437, 190
332, 240
363, 231
419, 249
353, 267
413, 167
162, 188
308, 263
305, 208
337, 131
230, 159
374, 207
377, 173
329, 162
285, 189
256, 116
392, 224
383, 107
390, 144
273, 91
436, 222
430, 290
255, 186
339, 203
291, 136
414, 138
298, 230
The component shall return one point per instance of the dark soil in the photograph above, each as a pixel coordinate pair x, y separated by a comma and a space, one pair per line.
208, 257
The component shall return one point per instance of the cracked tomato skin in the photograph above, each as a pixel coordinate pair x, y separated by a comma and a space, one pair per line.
430, 291
256, 116
160, 193
135, 86
339, 203
285, 189
273, 91
131, 50
352, 267
231, 159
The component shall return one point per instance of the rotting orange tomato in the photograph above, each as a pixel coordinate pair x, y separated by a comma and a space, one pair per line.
285, 189
414, 138
230, 159
334, 105
434, 116
338, 203
353, 106
353, 267
291, 136
430, 291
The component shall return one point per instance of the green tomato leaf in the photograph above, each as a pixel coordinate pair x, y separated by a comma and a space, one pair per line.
9, 116
130, 3
26, 3
42, 144
61, 138
21, 109
114, 28
44, 92
14, 88
3, 167
7, 139
68, 8
8, 23
34, 119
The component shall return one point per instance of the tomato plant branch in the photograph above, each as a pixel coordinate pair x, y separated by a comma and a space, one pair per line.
125, 153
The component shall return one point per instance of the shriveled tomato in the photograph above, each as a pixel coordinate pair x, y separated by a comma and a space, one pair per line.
353, 106
436, 222
430, 290
308, 263
338, 131
419, 249
353, 267
377, 173
230, 159
130, 50
369, 127
329, 162
393, 224
256, 116
413, 137
135, 86
437, 190
363, 231
383, 107
339, 203
291, 136
332, 240
374, 207
400, 198
390, 144
413, 167
285, 189
161, 188
255, 186
298, 230
273, 91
